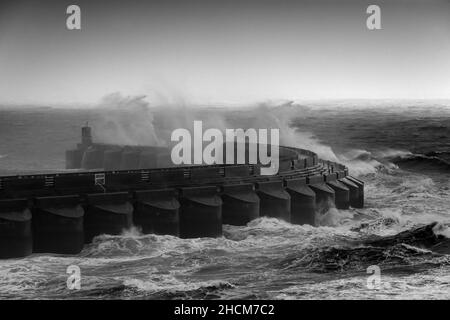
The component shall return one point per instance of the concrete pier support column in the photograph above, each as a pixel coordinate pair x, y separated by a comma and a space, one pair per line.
201, 212
58, 225
360, 184
342, 192
303, 202
324, 194
241, 204
157, 211
353, 187
107, 213
15, 229
275, 202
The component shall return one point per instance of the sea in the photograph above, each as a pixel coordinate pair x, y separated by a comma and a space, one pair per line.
396, 247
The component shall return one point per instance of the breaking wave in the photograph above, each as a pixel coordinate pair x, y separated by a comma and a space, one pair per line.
423, 162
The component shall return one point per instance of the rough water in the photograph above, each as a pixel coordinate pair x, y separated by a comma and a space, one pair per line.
402, 153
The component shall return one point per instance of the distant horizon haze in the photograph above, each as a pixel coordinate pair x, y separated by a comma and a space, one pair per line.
223, 53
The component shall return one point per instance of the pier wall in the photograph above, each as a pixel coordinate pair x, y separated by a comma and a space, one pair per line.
58, 213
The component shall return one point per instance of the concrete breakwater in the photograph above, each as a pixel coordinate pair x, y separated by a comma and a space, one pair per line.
60, 212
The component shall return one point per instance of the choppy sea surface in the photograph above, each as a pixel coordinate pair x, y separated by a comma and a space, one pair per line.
401, 153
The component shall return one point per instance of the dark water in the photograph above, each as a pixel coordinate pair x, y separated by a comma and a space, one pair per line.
402, 154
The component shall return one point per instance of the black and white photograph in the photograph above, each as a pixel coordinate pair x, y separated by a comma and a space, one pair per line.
237, 152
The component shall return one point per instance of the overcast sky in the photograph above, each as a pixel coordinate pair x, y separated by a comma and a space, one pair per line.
224, 51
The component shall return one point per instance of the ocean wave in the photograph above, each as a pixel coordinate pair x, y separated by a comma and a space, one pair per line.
433, 127
425, 237
172, 288
441, 154
261, 233
423, 246
386, 254
339, 259
423, 162
400, 284
363, 162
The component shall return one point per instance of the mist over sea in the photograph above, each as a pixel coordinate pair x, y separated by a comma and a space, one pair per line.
401, 152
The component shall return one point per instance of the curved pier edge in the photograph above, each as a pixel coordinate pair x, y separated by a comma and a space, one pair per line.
157, 211
325, 195
341, 191
201, 212
241, 204
189, 202
58, 225
107, 213
275, 201
360, 202
303, 202
16, 239
353, 188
